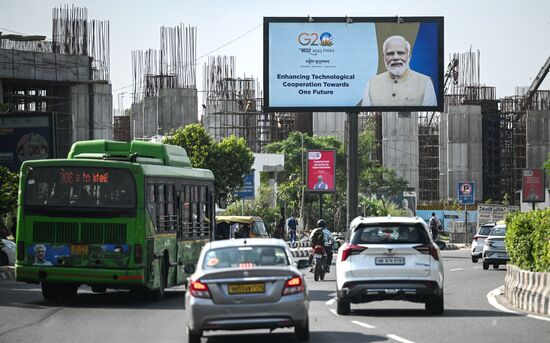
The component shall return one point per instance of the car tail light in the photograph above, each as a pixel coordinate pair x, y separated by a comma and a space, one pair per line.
476, 237
351, 249
20, 251
428, 249
138, 253
199, 289
293, 286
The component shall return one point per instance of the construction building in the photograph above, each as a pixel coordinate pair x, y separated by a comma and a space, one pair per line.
61, 85
164, 81
234, 106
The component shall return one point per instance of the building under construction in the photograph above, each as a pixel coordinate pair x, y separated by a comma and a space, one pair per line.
164, 80
66, 79
233, 106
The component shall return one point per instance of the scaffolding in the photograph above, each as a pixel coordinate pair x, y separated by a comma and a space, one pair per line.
233, 107
428, 157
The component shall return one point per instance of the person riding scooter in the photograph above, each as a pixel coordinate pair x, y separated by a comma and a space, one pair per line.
321, 239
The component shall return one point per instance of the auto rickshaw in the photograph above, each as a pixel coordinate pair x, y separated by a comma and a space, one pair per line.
229, 227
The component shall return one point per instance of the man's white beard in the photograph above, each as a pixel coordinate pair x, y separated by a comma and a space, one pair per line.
397, 70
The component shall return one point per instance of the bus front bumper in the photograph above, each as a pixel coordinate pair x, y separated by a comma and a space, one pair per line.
113, 277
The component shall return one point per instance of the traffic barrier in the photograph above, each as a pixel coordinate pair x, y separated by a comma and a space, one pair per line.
300, 253
526, 290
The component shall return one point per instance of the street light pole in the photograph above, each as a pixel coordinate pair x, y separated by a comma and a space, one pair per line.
302, 228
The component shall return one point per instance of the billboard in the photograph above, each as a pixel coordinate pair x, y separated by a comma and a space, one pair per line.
353, 64
466, 193
321, 170
533, 185
26, 136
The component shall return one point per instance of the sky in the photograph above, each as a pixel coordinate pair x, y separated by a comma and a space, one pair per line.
512, 36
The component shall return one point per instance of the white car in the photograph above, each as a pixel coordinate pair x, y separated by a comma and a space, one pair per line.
494, 249
479, 240
389, 258
7, 253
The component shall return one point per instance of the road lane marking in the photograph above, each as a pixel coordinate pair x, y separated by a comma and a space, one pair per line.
492, 298
455, 269
399, 339
365, 325
477, 267
538, 317
333, 311
330, 302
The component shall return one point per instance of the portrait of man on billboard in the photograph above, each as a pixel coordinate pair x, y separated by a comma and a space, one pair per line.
399, 85
320, 185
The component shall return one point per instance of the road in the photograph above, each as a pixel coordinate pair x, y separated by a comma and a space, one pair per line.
118, 317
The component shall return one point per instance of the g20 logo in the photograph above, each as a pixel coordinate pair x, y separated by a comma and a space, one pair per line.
314, 39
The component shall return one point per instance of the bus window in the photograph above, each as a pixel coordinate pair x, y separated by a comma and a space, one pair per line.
160, 208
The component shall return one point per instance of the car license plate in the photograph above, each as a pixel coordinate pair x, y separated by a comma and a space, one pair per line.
389, 260
244, 288
317, 255
79, 249
501, 254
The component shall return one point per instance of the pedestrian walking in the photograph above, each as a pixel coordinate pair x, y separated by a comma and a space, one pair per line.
292, 225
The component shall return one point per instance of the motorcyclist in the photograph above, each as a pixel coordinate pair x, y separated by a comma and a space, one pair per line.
316, 238
327, 242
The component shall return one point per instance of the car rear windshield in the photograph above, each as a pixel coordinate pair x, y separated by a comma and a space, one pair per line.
485, 230
245, 257
498, 231
390, 233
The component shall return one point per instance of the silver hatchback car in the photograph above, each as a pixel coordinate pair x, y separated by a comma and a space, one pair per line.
245, 284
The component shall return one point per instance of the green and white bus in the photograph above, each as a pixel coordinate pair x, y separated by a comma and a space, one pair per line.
112, 215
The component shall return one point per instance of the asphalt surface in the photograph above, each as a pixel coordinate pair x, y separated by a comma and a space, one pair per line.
119, 317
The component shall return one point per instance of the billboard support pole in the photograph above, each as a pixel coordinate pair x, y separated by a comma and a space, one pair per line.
320, 205
466, 224
352, 185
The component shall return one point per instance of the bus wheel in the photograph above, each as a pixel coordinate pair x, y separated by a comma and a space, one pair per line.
158, 294
50, 291
68, 291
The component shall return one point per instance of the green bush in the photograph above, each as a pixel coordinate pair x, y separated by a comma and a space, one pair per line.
528, 240
541, 241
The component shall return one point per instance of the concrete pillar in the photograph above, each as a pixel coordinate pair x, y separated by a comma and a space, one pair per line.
329, 124
103, 111
400, 144
464, 149
538, 139
136, 121
80, 109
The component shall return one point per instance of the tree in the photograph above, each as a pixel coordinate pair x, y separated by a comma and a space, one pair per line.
382, 182
547, 165
261, 207
9, 188
229, 160
291, 180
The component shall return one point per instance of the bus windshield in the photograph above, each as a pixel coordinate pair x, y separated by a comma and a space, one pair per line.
80, 187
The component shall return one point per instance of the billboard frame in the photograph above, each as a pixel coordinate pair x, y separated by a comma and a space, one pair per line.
51, 117
333, 190
541, 187
350, 20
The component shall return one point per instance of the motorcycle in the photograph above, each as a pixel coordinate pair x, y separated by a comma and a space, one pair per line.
318, 260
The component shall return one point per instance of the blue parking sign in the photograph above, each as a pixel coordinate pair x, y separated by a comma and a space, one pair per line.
466, 193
